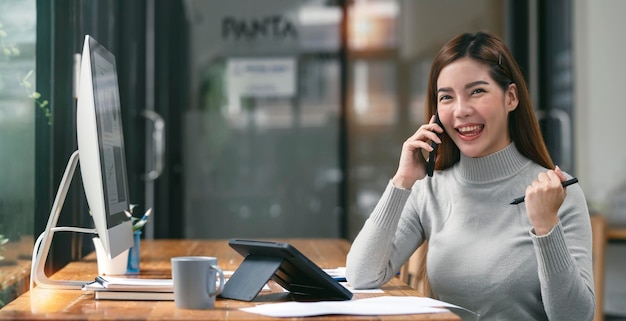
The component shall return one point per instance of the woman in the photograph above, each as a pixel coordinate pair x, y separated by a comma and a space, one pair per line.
530, 261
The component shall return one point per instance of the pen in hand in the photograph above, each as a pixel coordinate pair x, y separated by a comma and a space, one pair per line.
564, 184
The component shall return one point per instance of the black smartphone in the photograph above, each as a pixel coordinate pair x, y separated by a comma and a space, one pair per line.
430, 167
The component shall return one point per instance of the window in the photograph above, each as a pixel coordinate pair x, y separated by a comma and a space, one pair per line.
19, 103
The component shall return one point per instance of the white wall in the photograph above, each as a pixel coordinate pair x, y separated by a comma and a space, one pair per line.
600, 85
600, 69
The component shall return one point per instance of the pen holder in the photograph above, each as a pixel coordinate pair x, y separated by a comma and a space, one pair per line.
133, 255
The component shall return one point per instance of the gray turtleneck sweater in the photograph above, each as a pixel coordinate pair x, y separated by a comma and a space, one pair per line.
482, 252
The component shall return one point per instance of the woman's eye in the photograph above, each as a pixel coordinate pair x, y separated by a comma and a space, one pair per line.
478, 91
444, 97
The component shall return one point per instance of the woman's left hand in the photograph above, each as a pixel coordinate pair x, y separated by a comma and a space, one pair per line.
543, 199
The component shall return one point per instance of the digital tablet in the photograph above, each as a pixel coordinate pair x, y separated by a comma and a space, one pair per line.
283, 263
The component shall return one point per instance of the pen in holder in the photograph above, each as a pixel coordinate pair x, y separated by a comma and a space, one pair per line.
135, 250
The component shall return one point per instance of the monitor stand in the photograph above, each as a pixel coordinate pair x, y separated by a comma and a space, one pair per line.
250, 277
42, 245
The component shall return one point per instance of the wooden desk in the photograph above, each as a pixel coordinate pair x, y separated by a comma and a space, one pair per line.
44, 304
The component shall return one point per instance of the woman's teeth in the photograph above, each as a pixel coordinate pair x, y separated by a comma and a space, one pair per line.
470, 130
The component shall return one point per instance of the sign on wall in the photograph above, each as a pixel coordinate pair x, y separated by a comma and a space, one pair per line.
261, 77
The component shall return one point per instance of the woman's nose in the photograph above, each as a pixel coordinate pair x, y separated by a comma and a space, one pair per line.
462, 108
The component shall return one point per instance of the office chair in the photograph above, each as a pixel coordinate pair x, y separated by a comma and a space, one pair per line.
599, 233
413, 272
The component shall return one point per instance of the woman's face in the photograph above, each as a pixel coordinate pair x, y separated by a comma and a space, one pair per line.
473, 108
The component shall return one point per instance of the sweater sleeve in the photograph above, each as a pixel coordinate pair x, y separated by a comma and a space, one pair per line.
565, 262
376, 255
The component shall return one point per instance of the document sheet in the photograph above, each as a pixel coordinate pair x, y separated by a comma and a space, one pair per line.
384, 305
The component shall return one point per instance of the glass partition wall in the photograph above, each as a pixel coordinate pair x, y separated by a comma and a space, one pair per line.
261, 132
297, 110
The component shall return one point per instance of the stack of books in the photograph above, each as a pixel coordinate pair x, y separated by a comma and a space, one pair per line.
118, 288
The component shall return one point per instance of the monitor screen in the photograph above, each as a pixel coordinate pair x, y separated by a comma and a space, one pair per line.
109, 123
101, 147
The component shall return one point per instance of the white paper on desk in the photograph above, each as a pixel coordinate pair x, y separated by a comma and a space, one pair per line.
353, 290
339, 272
385, 305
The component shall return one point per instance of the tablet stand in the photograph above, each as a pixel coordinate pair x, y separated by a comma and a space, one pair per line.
250, 277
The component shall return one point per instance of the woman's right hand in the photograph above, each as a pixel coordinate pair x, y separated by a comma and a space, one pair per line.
412, 166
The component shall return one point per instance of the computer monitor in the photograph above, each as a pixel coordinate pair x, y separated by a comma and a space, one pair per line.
101, 147
102, 164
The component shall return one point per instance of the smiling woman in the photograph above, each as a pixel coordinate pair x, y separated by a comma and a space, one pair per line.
492, 150
17, 144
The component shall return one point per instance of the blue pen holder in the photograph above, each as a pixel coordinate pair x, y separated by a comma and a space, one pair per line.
133, 255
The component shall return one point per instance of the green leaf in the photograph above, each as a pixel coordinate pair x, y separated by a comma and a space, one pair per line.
139, 225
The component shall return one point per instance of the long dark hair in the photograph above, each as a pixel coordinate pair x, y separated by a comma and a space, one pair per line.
493, 52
